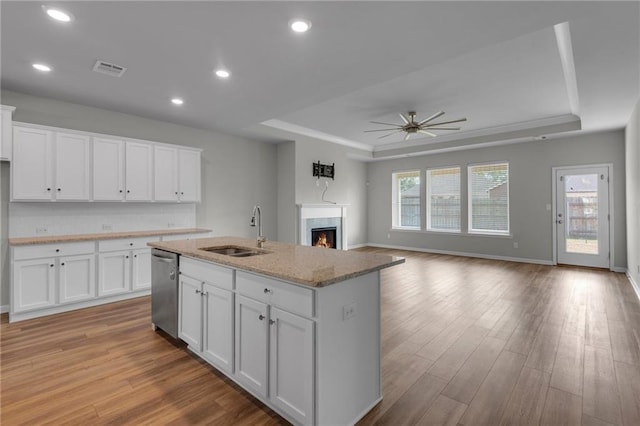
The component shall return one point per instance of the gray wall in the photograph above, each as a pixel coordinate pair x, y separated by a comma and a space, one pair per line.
632, 156
236, 173
530, 191
287, 192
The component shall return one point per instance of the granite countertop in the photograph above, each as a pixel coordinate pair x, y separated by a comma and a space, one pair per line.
52, 239
310, 266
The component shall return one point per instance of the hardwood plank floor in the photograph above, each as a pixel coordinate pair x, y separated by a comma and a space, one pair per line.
464, 342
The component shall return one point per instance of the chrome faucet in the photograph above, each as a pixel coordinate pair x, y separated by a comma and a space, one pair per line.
261, 239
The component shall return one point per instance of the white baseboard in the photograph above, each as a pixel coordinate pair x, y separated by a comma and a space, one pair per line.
459, 253
634, 284
356, 246
618, 269
4, 309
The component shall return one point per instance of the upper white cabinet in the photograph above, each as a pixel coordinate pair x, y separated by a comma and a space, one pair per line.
138, 171
51, 164
108, 169
32, 167
72, 167
6, 133
177, 174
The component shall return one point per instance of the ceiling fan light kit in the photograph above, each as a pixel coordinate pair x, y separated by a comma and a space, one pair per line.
411, 126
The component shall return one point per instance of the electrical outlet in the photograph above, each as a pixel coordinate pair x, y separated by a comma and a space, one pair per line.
171, 225
388, 235
548, 207
348, 311
41, 230
515, 244
106, 227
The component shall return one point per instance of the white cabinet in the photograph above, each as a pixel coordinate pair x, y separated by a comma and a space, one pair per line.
42, 272
274, 347
205, 317
108, 169
138, 171
176, 174
6, 132
77, 278
50, 166
32, 166
124, 265
33, 284
72, 167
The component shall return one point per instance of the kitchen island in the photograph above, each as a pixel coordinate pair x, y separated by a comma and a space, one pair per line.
298, 327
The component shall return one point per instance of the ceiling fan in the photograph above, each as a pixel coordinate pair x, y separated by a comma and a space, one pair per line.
411, 126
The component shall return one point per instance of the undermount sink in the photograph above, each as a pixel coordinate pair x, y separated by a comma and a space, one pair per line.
234, 251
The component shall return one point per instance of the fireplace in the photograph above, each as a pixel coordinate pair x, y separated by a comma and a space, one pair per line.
324, 237
330, 219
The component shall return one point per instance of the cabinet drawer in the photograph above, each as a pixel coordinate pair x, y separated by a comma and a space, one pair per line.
52, 250
125, 244
289, 297
207, 272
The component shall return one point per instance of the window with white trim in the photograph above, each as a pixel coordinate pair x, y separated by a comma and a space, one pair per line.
406, 200
443, 199
489, 198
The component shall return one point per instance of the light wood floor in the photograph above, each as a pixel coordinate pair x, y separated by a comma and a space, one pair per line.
465, 341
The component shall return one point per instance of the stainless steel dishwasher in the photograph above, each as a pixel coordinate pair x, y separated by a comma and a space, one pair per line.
164, 291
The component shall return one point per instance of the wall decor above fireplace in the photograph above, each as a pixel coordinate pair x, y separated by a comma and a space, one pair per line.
324, 170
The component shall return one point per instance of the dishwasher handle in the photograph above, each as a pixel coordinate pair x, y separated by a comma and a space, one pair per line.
163, 259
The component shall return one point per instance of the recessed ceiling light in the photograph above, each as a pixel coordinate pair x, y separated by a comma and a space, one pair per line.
300, 25
58, 14
177, 101
223, 73
42, 67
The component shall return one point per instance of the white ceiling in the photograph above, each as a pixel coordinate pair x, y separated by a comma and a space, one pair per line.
499, 64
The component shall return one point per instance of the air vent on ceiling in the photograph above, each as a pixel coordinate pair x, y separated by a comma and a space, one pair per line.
108, 68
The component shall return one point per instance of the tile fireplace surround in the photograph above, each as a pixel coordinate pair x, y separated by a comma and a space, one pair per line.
319, 216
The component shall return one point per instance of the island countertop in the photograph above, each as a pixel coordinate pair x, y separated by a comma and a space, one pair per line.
310, 266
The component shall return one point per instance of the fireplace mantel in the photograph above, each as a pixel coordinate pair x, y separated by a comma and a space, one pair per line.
320, 211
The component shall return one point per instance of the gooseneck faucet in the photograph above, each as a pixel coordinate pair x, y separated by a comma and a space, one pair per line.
260, 238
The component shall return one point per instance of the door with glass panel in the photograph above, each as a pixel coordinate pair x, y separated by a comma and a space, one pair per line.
582, 216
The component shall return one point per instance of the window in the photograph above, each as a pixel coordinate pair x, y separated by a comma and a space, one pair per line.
406, 200
443, 199
489, 198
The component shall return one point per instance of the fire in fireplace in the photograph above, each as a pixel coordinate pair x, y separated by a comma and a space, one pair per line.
324, 237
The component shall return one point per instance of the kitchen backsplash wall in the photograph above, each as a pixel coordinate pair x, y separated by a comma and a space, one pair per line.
43, 219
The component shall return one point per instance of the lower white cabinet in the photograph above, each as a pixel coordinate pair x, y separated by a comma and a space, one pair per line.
48, 275
124, 265
205, 321
252, 327
77, 278
33, 284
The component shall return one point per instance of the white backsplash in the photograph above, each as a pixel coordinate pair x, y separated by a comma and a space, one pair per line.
30, 219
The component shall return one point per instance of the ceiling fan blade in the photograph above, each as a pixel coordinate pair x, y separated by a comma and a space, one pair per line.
446, 122
393, 133
385, 124
433, 117
381, 130
406, 138
433, 135
405, 119
443, 128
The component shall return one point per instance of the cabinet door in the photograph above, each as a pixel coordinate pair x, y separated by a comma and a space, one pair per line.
138, 171
33, 284
190, 312
291, 364
189, 177
251, 344
77, 278
141, 269
114, 275
108, 169
165, 174
217, 345
72, 163
31, 170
